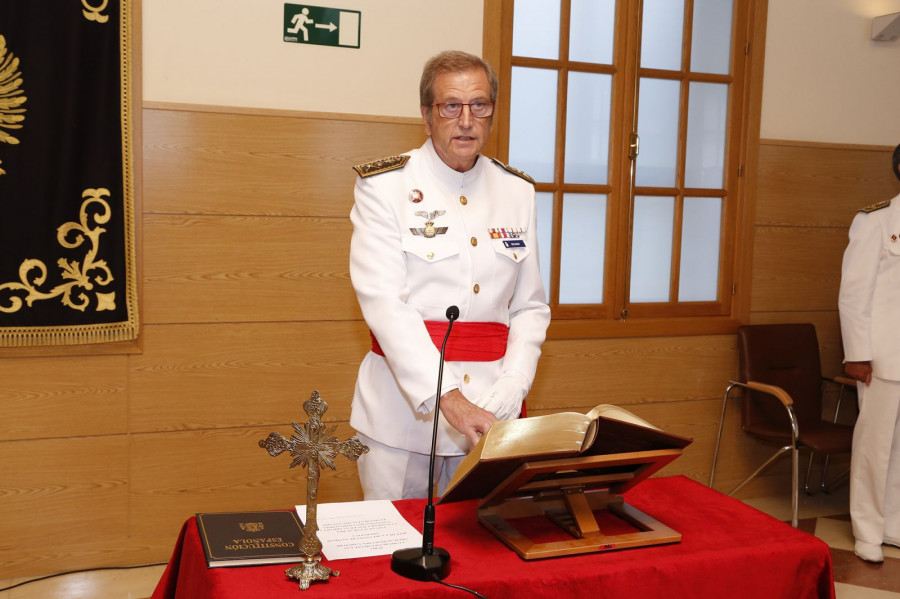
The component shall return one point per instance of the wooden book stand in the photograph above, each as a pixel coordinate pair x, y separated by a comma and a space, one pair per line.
568, 492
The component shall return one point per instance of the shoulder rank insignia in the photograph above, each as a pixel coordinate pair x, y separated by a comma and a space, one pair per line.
382, 165
876, 206
512, 170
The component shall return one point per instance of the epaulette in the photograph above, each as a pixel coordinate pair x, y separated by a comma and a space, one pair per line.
876, 206
514, 171
382, 165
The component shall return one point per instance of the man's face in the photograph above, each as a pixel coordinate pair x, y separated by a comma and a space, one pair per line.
459, 141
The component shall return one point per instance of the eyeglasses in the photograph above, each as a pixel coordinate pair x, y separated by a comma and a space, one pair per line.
452, 110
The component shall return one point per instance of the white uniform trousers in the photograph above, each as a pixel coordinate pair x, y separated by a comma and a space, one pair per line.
390, 473
875, 463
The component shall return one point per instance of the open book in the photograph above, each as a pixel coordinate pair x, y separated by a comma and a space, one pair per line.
606, 429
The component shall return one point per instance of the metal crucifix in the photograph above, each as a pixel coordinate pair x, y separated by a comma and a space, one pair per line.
312, 447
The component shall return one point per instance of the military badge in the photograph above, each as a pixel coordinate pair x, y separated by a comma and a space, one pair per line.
429, 230
415, 196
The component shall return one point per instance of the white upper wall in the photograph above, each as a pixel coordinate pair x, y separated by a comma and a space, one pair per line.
231, 53
825, 80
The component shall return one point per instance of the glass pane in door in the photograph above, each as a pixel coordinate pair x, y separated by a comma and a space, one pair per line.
583, 249
658, 132
591, 31
711, 37
532, 121
701, 228
651, 249
587, 128
535, 28
707, 117
662, 32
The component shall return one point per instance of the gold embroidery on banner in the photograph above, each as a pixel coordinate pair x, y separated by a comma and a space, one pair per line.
11, 99
33, 273
93, 12
129, 328
106, 301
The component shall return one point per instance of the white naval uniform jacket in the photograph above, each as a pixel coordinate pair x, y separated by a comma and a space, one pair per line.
403, 278
869, 299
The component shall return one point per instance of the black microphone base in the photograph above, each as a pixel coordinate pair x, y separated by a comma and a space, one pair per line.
414, 563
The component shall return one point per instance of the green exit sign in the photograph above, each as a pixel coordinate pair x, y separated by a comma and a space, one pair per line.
304, 24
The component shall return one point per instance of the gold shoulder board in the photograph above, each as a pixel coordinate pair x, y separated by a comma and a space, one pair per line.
512, 170
382, 165
876, 206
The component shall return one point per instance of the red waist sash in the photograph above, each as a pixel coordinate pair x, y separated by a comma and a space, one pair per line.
468, 342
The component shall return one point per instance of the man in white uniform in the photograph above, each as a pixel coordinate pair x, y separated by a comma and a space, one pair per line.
443, 226
870, 325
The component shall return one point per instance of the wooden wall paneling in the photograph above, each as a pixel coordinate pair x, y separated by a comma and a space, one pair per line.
243, 374
63, 396
64, 504
796, 268
246, 269
216, 163
813, 185
175, 475
586, 372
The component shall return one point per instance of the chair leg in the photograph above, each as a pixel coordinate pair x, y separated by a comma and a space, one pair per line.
712, 471
795, 483
808, 472
781, 451
822, 486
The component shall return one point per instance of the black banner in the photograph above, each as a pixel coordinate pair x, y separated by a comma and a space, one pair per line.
67, 246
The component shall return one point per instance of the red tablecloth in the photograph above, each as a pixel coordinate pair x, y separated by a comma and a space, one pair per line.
727, 550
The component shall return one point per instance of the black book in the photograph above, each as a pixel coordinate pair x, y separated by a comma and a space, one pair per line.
250, 538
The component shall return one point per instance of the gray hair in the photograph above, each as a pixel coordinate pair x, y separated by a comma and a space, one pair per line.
452, 61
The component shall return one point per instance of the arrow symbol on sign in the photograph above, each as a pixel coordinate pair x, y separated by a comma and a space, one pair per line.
330, 27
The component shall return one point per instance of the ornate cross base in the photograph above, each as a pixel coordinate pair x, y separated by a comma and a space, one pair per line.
309, 570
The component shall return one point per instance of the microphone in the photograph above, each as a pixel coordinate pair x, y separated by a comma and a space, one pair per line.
428, 562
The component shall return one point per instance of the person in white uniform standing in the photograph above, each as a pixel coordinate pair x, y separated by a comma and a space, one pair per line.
869, 305
441, 226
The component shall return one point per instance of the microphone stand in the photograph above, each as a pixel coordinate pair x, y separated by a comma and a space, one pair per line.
428, 562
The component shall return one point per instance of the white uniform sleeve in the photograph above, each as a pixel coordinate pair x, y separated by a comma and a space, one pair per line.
378, 274
858, 275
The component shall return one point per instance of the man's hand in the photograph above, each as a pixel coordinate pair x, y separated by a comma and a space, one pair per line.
465, 416
860, 371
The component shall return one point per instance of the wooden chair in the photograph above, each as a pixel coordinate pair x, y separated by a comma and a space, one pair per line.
779, 370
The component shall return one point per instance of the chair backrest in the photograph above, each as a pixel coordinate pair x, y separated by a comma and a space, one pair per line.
785, 355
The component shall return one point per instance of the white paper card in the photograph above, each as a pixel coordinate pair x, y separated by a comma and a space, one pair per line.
362, 529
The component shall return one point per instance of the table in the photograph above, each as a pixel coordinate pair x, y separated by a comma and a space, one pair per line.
728, 549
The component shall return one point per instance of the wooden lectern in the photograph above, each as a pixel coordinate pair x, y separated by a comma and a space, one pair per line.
569, 491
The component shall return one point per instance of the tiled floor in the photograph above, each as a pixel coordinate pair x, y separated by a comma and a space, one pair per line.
822, 515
